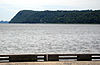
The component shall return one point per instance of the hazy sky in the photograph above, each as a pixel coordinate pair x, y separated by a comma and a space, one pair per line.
8, 8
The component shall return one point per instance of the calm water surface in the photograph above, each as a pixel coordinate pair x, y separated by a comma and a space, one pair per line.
49, 38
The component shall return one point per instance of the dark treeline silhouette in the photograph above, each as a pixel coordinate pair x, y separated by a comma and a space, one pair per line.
59, 16
3, 21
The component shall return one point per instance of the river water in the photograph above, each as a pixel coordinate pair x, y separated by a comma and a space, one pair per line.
49, 38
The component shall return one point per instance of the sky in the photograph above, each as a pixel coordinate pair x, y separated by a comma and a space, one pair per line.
9, 8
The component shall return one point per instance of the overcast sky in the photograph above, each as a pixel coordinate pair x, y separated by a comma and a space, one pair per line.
8, 8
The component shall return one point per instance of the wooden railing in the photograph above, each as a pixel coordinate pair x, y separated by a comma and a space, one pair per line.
48, 57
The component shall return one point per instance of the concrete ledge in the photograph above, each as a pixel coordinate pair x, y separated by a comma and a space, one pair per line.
54, 63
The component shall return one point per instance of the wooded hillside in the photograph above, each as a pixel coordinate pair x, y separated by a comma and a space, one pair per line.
59, 16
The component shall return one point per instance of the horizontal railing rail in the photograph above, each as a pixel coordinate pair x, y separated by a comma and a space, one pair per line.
48, 57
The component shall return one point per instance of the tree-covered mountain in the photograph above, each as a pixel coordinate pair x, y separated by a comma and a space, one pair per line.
59, 16
4, 22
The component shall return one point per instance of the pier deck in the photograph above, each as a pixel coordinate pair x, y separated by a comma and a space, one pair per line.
54, 63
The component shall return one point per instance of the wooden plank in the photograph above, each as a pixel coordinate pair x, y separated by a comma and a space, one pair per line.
84, 58
95, 57
4, 58
22, 58
54, 63
53, 58
67, 57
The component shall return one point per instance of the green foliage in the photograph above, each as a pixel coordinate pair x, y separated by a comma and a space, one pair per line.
84, 17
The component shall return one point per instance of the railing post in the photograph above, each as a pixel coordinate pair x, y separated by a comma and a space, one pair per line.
84, 57
45, 58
